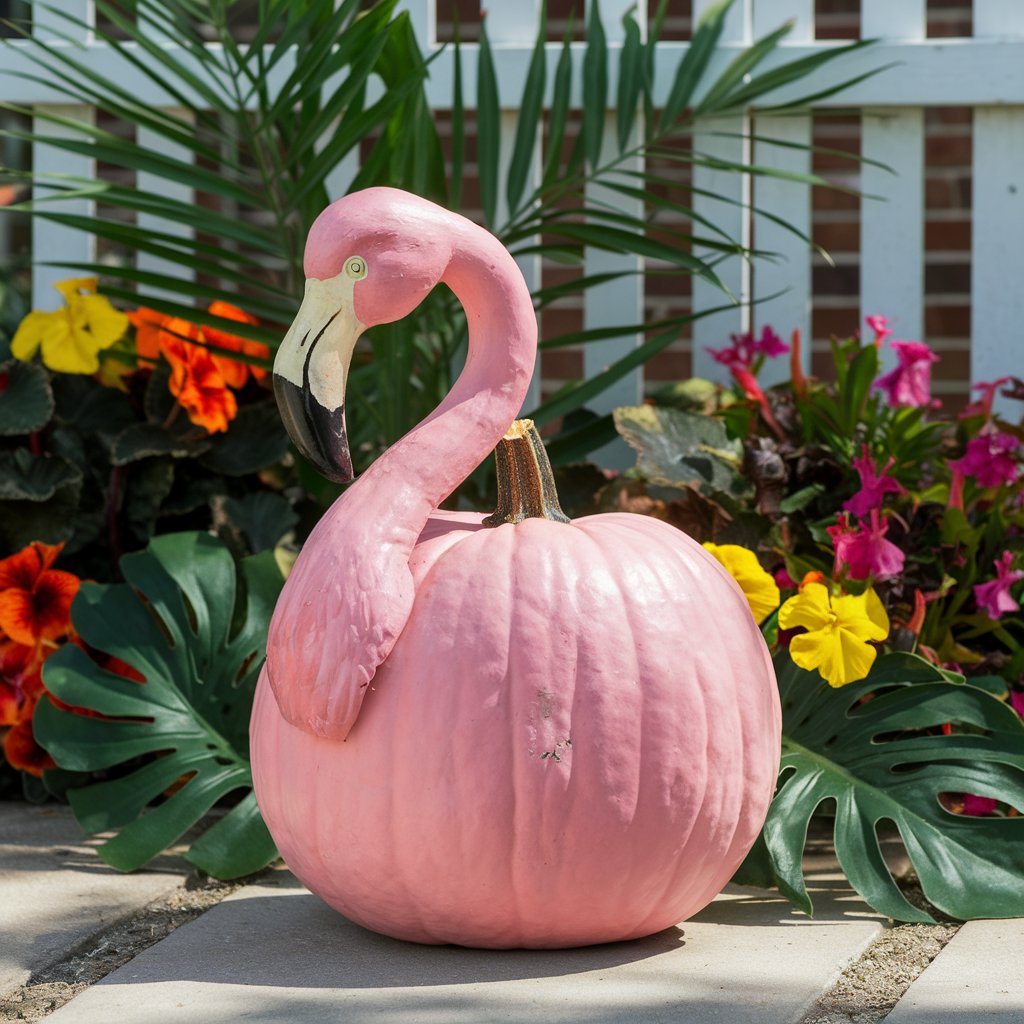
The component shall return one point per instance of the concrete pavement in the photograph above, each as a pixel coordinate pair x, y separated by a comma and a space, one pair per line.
271, 952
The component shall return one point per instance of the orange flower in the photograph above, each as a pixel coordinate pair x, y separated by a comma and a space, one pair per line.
147, 323
35, 600
234, 372
22, 751
197, 383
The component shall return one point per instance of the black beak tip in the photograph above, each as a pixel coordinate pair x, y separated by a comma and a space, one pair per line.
318, 432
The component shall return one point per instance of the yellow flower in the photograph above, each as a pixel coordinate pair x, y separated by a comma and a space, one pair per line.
758, 587
72, 337
838, 631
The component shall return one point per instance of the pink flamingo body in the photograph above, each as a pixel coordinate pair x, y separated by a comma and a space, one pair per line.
534, 735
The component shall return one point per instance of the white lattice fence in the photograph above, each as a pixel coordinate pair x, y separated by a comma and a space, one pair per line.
985, 72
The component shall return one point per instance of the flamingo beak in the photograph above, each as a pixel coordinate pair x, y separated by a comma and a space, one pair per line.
310, 371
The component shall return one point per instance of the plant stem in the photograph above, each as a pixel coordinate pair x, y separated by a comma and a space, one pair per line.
526, 485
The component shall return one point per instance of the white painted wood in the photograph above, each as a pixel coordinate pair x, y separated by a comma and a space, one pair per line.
893, 19
54, 241
892, 222
721, 138
955, 72
768, 15
423, 15
997, 298
148, 182
782, 284
998, 19
620, 301
788, 275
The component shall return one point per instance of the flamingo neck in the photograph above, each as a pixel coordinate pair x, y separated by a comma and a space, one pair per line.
411, 479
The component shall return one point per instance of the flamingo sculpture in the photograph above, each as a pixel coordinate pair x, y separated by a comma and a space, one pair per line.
519, 733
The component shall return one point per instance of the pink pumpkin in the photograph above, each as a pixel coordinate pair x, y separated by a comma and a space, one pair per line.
538, 733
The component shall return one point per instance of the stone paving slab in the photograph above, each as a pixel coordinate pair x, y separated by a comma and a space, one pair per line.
55, 892
976, 979
275, 953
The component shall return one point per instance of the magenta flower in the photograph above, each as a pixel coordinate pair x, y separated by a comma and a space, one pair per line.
993, 598
983, 406
1017, 702
880, 325
863, 550
744, 349
989, 459
911, 382
874, 485
978, 806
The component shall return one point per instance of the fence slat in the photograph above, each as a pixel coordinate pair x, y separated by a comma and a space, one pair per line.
620, 301
787, 277
727, 139
148, 182
997, 231
55, 241
892, 223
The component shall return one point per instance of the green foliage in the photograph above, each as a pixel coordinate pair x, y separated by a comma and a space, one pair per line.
877, 751
176, 744
263, 157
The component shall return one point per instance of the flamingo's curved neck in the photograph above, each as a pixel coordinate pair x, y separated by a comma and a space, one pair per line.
416, 474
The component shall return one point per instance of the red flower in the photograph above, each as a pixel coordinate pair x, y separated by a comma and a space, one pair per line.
35, 600
195, 380
234, 372
22, 751
147, 323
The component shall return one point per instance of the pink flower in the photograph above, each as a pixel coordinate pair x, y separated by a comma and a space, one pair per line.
783, 580
988, 458
864, 551
978, 806
1017, 702
983, 406
993, 598
911, 382
879, 324
744, 349
874, 485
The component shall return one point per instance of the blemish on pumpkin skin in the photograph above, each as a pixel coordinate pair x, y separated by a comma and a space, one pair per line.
561, 749
546, 700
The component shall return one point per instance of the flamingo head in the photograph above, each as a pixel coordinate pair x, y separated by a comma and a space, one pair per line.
371, 258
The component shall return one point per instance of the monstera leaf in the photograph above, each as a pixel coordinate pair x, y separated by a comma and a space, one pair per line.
878, 749
194, 631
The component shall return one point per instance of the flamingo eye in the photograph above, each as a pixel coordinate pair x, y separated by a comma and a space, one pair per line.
355, 267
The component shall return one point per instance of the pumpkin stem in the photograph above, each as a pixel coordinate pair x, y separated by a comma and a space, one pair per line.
526, 485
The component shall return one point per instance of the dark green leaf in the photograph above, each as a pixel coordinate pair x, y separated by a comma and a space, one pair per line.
529, 120
254, 440
142, 440
488, 128
631, 73
877, 749
694, 63
197, 634
28, 477
26, 399
263, 517
595, 85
